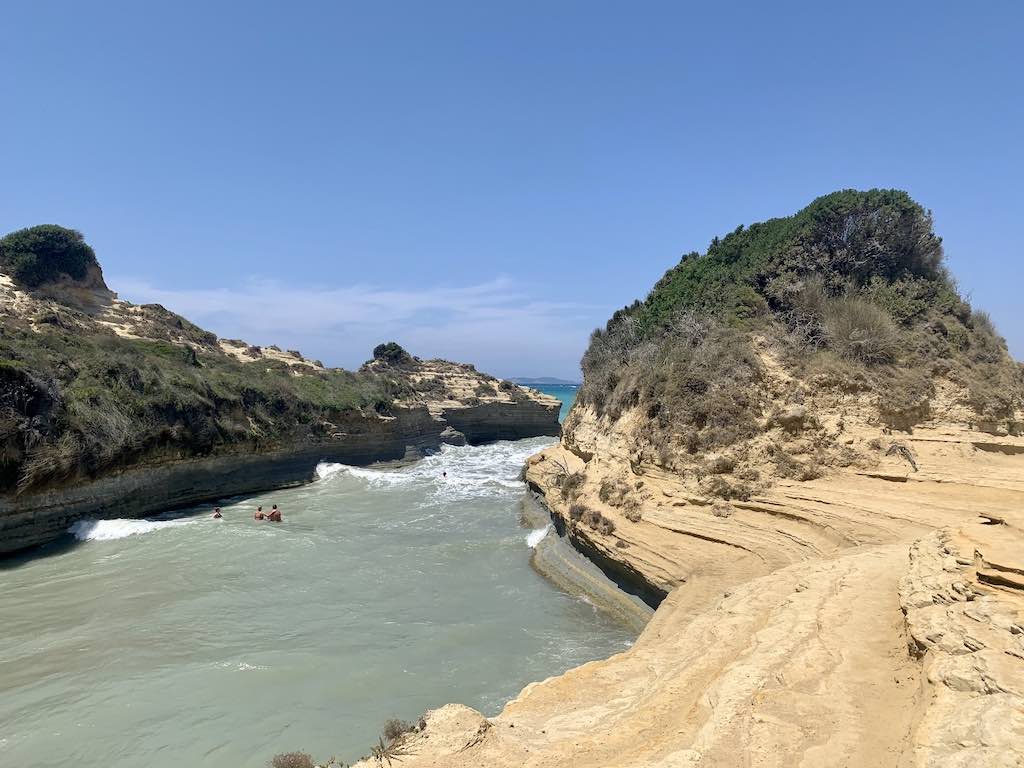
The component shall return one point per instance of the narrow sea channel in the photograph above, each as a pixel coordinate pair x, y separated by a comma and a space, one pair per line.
188, 641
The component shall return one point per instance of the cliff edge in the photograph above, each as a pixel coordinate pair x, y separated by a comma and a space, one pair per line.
805, 447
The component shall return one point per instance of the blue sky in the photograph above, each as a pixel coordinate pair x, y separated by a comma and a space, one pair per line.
488, 181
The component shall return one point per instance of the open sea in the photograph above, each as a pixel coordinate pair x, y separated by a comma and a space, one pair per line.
565, 393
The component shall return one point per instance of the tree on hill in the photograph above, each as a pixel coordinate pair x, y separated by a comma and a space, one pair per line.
44, 253
391, 352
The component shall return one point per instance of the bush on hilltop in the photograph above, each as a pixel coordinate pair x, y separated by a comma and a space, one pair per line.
392, 353
41, 254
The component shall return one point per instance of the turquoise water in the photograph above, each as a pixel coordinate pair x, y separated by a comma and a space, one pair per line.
566, 394
187, 641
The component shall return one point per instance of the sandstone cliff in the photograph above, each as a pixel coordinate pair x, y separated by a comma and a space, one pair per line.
823, 496
109, 409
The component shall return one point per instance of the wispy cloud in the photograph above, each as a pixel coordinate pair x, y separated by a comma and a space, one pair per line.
495, 324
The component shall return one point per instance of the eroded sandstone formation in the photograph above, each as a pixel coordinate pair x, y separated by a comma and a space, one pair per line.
805, 447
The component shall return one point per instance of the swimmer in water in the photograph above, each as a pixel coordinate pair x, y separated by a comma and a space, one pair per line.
216, 513
275, 515
444, 475
259, 514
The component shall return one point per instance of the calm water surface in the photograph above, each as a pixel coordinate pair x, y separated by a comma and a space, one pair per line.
189, 641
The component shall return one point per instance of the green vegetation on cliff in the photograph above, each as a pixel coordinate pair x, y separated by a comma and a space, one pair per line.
77, 398
75, 403
851, 292
854, 241
42, 254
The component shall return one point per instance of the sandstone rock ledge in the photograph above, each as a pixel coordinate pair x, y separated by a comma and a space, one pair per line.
850, 620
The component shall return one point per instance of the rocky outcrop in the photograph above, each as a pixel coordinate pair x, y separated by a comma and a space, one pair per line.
847, 620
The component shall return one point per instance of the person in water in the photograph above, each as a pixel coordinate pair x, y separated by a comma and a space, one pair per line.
274, 515
216, 513
259, 514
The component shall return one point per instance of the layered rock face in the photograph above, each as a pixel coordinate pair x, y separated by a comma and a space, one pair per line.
871, 617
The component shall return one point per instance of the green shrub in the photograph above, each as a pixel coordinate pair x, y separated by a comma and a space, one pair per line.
859, 330
392, 353
108, 401
845, 236
906, 398
718, 486
721, 465
484, 389
42, 254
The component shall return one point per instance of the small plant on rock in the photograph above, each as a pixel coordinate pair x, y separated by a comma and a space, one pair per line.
721, 509
612, 492
293, 760
577, 511
598, 522
394, 729
385, 752
571, 485
631, 509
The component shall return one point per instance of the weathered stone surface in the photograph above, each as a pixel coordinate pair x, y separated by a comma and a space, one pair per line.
806, 628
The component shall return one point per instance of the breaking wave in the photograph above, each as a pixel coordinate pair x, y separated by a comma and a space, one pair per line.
535, 537
109, 530
451, 474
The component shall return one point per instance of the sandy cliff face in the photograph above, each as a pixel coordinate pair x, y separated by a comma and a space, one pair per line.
870, 617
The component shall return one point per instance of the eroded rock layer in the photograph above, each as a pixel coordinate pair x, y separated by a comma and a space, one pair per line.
872, 617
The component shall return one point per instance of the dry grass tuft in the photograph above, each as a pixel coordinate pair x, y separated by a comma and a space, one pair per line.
631, 510
293, 760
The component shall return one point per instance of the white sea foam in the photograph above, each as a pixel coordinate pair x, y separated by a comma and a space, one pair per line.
242, 666
109, 530
451, 474
325, 469
537, 536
